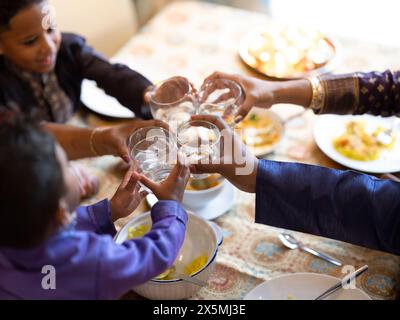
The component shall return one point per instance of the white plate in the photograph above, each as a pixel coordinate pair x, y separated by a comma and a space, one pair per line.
98, 101
329, 127
277, 121
302, 286
214, 209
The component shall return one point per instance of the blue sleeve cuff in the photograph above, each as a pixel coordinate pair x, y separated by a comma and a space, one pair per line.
168, 208
100, 215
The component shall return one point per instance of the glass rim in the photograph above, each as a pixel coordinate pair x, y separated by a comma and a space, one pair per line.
187, 125
234, 83
188, 93
144, 129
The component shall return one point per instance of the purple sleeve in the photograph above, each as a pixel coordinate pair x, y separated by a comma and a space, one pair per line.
96, 218
136, 261
342, 205
117, 80
379, 93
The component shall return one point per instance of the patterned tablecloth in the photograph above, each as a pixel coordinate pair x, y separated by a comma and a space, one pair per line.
193, 39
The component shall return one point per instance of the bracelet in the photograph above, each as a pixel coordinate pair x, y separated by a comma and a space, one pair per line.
318, 94
94, 131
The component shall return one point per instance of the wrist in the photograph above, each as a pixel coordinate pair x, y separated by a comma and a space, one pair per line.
93, 144
297, 92
253, 178
114, 211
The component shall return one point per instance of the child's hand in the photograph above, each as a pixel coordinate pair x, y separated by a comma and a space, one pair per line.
174, 186
128, 197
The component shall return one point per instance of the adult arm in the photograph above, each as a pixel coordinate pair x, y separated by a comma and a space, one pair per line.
342, 205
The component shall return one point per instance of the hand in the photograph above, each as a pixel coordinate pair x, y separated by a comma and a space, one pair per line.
88, 184
256, 92
147, 94
170, 90
128, 196
237, 163
114, 140
174, 186
264, 94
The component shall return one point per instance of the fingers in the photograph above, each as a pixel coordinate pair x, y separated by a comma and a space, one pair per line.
221, 75
123, 152
244, 110
181, 169
156, 123
204, 168
149, 183
132, 182
183, 165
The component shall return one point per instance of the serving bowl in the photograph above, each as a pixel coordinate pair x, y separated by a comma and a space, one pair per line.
196, 199
202, 238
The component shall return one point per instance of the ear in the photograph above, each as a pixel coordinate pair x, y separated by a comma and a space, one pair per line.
62, 214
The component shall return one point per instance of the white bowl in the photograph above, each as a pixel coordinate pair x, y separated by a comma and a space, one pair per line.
195, 199
202, 237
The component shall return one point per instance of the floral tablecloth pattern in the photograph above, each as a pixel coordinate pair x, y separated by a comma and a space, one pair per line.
194, 39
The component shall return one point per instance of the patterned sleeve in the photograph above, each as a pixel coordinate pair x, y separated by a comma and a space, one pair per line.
377, 93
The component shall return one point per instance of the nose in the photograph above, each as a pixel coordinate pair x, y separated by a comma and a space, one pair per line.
47, 45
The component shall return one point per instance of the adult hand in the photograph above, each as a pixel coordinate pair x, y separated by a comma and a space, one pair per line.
236, 162
256, 92
114, 140
264, 94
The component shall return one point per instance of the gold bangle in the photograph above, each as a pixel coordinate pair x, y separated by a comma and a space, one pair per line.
94, 131
318, 94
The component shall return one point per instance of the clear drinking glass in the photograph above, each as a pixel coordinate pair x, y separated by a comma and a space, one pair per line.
153, 151
174, 101
199, 141
221, 97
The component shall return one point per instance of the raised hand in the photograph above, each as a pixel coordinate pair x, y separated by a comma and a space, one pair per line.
236, 163
128, 196
174, 186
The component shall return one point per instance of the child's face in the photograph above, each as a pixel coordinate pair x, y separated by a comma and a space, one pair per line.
28, 43
72, 196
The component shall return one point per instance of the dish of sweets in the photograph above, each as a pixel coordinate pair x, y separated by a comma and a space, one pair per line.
288, 52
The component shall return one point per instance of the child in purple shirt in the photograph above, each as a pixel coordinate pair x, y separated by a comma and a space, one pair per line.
42, 237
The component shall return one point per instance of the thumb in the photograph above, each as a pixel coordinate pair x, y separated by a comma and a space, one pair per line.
149, 184
243, 110
123, 152
205, 168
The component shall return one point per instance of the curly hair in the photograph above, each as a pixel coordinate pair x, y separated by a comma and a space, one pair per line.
10, 8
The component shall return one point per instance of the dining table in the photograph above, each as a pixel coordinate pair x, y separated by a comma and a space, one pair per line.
194, 39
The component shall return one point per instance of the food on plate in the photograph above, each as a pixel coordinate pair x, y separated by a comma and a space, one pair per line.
362, 141
259, 130
211, 181
288, 51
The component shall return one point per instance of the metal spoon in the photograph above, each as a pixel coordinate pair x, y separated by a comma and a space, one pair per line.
289, 241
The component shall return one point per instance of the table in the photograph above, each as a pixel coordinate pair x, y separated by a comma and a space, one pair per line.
193, 39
